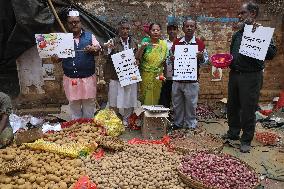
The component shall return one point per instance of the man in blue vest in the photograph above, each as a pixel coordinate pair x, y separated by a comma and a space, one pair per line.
79, 78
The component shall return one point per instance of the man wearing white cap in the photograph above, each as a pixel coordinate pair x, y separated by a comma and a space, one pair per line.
79, 78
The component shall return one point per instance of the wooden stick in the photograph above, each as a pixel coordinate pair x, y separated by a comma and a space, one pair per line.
56, 16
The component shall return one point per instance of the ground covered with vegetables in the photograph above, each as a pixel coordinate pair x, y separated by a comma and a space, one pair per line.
85, 154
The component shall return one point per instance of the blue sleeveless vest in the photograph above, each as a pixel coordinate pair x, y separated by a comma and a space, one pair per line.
83, 64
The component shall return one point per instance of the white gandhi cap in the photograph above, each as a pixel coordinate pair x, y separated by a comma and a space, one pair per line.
73, 13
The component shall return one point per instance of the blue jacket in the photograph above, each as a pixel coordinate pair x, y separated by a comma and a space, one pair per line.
83, 64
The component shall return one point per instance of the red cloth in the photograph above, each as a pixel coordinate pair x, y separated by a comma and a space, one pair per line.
280, 102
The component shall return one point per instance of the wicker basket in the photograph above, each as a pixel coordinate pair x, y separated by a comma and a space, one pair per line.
199, 185
191, 182
200, 146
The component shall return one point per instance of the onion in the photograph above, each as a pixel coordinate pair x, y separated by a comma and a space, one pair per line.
219, 171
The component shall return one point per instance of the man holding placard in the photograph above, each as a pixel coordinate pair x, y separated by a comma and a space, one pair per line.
79, 78
189, 53
250, 46
122, 71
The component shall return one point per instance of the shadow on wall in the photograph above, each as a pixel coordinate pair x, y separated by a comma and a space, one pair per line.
9, 83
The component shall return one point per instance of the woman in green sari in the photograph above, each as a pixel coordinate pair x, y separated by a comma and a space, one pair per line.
152, 55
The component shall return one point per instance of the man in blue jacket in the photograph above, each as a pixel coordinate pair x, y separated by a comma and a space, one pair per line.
79, 78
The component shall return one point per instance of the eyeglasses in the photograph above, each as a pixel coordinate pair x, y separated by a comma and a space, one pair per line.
73, 22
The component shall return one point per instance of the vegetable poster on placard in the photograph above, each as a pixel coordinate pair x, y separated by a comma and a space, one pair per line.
60, 44
216, 74
255, 44
185, 63
124, 64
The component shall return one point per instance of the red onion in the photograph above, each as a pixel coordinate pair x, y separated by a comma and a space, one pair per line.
219, 171
267, 138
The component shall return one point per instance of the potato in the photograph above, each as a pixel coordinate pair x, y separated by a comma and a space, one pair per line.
7, 180
39, 180
62, 185
21, 181
42, 184
8, 157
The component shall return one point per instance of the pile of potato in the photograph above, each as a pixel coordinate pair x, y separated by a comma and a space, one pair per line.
137, 166
46, 170
83, 133
110, 143
49, 170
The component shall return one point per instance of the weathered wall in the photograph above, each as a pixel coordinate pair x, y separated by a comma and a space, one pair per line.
216, 19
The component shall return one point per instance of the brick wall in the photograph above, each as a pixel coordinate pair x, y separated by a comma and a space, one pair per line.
216, 19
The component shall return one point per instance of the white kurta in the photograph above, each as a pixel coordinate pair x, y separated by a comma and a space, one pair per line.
122, 97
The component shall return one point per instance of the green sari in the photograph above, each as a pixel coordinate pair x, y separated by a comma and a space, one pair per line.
151, 67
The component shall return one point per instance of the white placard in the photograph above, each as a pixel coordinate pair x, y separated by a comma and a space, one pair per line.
124, 64
185, 64
255, 44
60, 44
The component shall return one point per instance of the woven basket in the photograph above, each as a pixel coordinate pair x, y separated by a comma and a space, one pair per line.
186, 150
199, 185
191, 182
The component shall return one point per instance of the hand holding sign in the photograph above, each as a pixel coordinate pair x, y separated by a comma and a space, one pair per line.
60, 44
255, 44
185, 63
124, 64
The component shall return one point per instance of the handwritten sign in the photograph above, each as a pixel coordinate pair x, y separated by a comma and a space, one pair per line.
185, 64
255, 44
60, 44
124, 64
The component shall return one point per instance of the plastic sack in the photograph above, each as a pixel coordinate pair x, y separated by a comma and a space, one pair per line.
72, 122
110, 121
46, 127
84, 183
71, 150
22, 122
165, 140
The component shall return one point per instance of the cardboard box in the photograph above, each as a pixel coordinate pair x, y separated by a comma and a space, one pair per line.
154, 125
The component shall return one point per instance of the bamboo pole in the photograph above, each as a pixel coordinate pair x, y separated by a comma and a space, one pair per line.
56, 16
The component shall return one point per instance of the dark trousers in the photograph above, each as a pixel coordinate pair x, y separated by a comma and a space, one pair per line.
166, 94
243, 96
